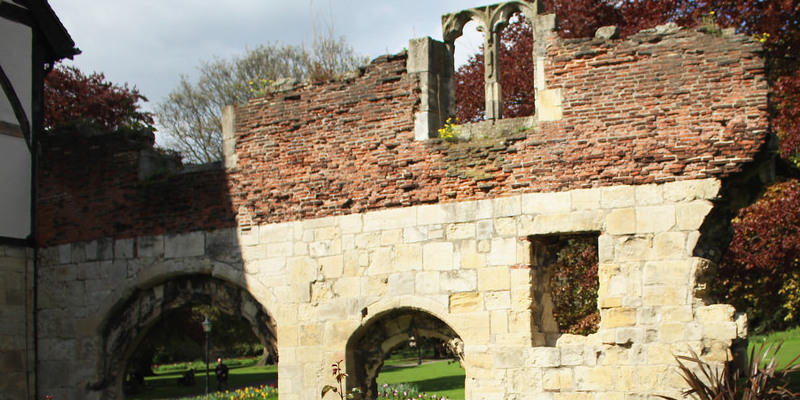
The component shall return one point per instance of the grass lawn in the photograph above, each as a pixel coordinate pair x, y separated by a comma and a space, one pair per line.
438, 377
788, 351
164, 386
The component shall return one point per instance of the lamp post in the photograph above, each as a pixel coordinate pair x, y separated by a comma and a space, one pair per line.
206, 329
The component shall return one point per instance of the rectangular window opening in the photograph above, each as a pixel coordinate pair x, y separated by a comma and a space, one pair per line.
564, 284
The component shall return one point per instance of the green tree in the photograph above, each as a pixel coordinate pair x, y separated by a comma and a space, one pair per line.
191, 114
178, 336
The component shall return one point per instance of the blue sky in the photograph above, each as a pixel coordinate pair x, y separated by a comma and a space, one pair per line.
150, 43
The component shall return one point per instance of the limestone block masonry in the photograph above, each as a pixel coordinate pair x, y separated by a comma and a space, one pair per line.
465, 263
16, 330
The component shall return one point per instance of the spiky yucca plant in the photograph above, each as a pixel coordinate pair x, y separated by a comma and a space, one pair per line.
761, 381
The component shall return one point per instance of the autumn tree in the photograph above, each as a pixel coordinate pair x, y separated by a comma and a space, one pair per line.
73, 98
191, 114
581, 18
760, 273
516, 75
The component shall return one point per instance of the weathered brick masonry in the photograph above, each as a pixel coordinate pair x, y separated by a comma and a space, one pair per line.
336, 230
659, 107
655, 108
90, 188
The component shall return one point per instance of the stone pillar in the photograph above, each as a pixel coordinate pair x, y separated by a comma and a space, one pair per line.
547, 101
491, 73
431, 61
229, 157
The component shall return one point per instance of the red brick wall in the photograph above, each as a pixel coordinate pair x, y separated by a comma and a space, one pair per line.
327, 149
649, 109
89, 189
660, 107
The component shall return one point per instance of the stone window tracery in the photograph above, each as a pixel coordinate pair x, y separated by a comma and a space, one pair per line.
491, 20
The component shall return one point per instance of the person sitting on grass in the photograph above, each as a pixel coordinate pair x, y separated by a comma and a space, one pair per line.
222, 374
187, 379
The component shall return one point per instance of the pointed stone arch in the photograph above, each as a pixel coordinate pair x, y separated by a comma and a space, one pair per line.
373, 341
127, 323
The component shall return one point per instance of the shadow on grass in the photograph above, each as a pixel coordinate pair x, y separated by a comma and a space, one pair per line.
794, 382
441, 383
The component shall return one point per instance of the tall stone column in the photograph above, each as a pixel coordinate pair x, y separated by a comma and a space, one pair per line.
491, 73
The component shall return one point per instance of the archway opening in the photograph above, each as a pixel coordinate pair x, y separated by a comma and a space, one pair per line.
391, 339
167, 306
470, 96
516, 67
565, 272
170, 360
500, 50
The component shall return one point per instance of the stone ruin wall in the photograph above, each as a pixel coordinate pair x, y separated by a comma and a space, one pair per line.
16, 308
332, 214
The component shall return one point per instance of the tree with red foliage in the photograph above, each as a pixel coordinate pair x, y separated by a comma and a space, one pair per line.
470, 105
776, 23
581, 18
760, 273
73, 98
787, 115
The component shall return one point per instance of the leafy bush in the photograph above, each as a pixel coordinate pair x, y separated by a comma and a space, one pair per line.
405, 391
264, 392
760, 273
201, 364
